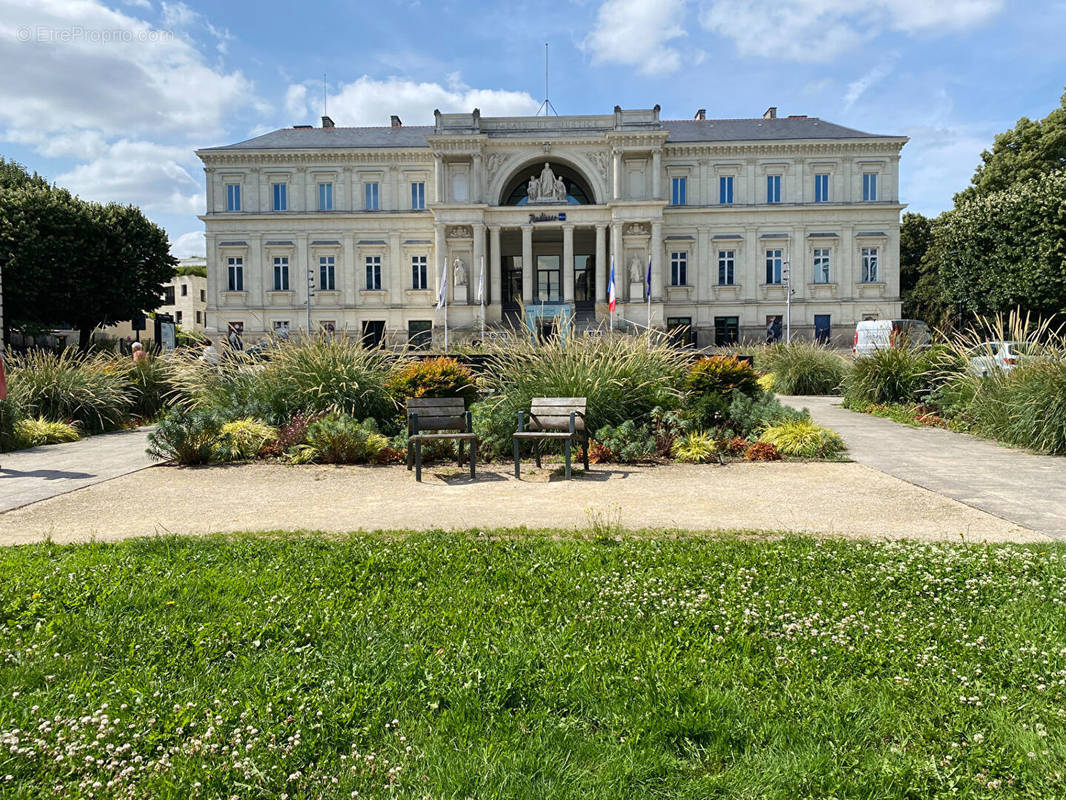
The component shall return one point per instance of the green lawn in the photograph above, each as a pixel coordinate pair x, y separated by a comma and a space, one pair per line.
527, 666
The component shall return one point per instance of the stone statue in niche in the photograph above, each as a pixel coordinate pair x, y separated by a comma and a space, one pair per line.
548, 188
460, 272
636, 269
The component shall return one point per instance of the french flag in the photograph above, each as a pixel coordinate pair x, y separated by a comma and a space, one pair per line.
611, 300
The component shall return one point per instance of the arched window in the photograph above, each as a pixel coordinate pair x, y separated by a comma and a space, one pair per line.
577, 192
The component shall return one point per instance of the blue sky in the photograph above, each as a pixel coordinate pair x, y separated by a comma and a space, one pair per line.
110, 100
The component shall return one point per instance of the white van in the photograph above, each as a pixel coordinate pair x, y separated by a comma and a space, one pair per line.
873, 334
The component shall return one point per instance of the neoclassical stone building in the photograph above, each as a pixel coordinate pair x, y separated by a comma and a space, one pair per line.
370, 218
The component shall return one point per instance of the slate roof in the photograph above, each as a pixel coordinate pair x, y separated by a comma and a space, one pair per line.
414, 136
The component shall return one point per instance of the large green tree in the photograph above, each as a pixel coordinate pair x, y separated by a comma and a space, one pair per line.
1027, 151
920, 288
76, 263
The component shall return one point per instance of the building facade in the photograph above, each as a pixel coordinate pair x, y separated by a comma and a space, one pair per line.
357, 228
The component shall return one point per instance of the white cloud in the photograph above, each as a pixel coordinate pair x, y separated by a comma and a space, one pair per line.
71, 66
822, 30
189, 245
638, 33
938, 162
155, 177
878, 73
367, 101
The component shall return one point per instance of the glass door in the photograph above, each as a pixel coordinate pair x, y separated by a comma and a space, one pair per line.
549, 280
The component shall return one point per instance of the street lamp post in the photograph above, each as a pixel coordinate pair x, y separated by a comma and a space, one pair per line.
310, 294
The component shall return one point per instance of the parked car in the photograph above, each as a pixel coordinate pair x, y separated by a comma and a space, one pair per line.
873, 334
990, 356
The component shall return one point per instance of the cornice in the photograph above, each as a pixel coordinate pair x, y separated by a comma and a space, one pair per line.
886, 147
229, 158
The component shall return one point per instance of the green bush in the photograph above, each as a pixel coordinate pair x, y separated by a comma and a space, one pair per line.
624, 377
341, 439
890, 375
750, 415
148, 386
10, 414
37, 432
722, 375
1025, 406
433, 377
244, 439
803, 368
70, 387
697, 447
803, 439
187, 436
625, 444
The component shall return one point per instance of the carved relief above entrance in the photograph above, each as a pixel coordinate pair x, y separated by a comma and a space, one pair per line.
460, 232
637, 229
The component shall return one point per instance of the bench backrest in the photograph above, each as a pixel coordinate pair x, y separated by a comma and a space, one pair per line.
553, 413
437, 413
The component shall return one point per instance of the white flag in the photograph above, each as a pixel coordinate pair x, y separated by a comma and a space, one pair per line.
481, 282
442, 297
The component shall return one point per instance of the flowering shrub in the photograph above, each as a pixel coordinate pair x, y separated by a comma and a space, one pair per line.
433, 377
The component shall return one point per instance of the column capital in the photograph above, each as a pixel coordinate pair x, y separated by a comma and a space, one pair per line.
602, 226
569, 226
478, 226
493, 228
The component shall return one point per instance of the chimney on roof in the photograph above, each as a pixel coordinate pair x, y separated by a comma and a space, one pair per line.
327, 122
771, 113
701, 114
396, 121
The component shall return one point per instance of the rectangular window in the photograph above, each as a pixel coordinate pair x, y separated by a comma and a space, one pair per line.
185, 290
773, 188
281, 273
168, 295
325, 197
821, 188
678, 191
233, 197
203, 295
327, 273
281, 202
418, 196
370, 197
822, 328
281, 328
177, 317
373, 273
679, 269
725, 189
679, 329
419, 278
773, 266
199, 319
235, 271
726, 267
419, 334
373, 332
869, 187
726, 330
869, 265
821, 265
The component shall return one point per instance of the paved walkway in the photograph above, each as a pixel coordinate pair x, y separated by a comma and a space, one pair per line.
27, 476
1022, 487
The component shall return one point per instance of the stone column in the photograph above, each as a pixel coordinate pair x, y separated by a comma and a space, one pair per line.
601, 262
656, 261
438, 178
616, 259
397, 271
256, 279
568, 264
495, 293
616, 174
475, 179
348, 280
656, 176
298, 282
527, 264
474, 273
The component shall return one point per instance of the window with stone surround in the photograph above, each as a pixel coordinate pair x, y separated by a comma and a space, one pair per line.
419, 272
281, 200
371, 196
725, 190
678, 191
325, 197
678, 268
233, 197
773, 188
281, 273
821, 187
869, 187
727, 267
235, 275
418, 196
821, 265
870, 272
774, 262
373, 273
327, 273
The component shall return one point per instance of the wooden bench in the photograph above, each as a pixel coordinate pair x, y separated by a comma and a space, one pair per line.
559, 418
438, 414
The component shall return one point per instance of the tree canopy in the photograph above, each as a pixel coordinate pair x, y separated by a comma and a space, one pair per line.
1027, 151
73, 262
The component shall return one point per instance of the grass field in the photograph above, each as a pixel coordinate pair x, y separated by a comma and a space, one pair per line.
529, 666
